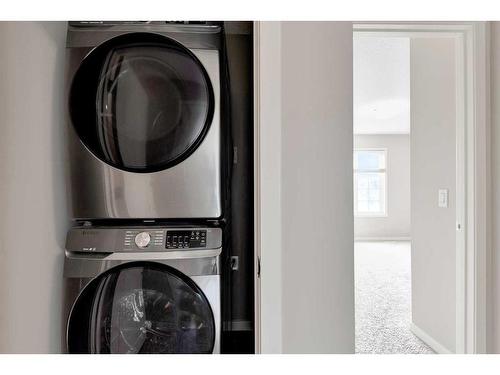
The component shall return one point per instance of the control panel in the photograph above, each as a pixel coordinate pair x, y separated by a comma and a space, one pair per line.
178, 239
142, 239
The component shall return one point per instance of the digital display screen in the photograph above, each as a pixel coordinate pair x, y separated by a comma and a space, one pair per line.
180, 239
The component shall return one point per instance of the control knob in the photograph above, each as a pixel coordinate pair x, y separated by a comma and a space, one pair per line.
142, 240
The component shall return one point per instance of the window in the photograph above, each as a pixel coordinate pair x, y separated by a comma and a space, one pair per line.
370, 182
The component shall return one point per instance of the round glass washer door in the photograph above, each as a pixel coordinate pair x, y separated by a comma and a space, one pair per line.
141, 102
141, 307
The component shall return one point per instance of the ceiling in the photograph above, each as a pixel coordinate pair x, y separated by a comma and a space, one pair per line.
381, 79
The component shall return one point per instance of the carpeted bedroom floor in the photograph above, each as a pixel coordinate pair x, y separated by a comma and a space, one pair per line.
383, 299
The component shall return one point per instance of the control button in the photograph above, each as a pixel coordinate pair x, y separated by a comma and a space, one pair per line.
143, 239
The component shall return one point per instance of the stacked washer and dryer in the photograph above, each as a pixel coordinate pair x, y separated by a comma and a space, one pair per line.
144, 117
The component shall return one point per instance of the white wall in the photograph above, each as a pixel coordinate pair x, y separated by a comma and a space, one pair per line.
433, 168
317, 215
494, 324
396, 225
33, 217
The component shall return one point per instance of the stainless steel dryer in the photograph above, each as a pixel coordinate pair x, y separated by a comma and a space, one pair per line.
143, 290
144, 114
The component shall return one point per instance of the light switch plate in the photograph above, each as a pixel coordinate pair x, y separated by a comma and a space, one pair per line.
443, 198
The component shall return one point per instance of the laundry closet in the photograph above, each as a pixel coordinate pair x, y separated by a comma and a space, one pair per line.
160, 254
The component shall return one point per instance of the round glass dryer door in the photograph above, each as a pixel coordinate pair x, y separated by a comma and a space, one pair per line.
141, 102
141, 308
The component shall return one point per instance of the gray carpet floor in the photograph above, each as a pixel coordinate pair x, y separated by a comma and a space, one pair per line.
383, 299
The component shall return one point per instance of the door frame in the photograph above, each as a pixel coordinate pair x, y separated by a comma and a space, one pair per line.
267, 187
473, 163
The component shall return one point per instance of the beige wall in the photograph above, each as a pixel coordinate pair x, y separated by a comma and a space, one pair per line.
317, 215
433, 168
33, 219
396, 225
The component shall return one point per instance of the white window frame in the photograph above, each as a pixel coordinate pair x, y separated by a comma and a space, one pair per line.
355, 184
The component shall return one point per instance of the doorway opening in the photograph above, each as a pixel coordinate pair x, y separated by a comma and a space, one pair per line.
408, 190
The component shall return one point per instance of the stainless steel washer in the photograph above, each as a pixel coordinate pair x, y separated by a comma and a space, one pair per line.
143, 290
144, 116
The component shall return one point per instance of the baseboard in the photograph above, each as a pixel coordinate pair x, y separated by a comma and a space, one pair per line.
380, 239
429, 340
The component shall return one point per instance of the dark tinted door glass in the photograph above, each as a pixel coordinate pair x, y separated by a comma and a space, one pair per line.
141, 102
144, 308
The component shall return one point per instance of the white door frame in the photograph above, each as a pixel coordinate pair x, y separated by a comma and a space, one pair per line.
472, 155
267, 186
